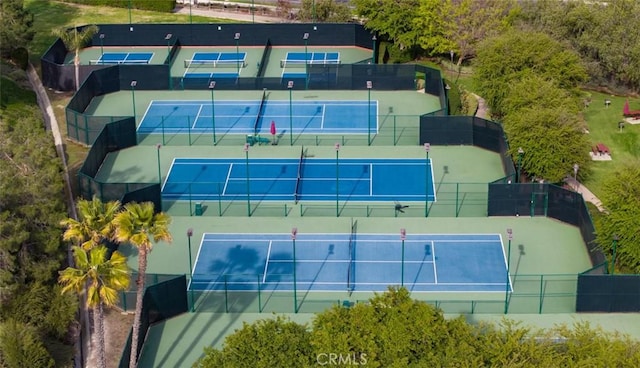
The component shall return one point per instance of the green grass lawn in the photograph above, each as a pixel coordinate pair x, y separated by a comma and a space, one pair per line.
49, 15
602, 123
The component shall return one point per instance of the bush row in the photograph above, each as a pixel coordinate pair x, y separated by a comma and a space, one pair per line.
166, 6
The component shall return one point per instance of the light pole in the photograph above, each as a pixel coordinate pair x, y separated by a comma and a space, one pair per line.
133, 97
237, 38
613, 257
189, 235
212, 85
246, 155
337, 146
168, 39
451, 55
101, 44
129, 12
575, 174
427, 148
313, 10
158, 146
294, 233
290, 87
305, 37
403, 236
506, 293
369, 86
520, 154
373, 54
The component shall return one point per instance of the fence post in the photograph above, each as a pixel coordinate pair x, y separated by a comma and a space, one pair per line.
394, 131
457, 192
259, 295
226, 295
541, 292
286, 213
189, 128
219, 201
86, 130
162, 127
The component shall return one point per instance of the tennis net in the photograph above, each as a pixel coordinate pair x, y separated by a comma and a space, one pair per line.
294, 63
214, 63
117, 62
296, 193
256, 126
351, 271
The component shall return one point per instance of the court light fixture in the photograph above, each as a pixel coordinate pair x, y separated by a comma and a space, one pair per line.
236, 36
290, 87
305, 36
101, 43
168, 36
212, 85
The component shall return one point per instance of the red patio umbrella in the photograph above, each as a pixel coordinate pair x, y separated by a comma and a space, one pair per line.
273, 127
625, 110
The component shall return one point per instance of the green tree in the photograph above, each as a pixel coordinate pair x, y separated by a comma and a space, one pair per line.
75, 41
20, 346
469, 22
140, 226
103, 278
393, 20
552, 139
267, 343
507, 58
323, 11
16, 30
621, 198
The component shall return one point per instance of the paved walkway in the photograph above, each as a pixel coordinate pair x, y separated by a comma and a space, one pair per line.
230, 14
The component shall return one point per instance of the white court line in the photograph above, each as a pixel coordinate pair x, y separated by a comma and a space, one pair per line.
144, 116
433, 258
196, 119
324, 109
266, 264
173, 162
226, 181
345, 261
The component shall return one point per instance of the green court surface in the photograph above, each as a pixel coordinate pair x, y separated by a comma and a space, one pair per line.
397, 120
89, 55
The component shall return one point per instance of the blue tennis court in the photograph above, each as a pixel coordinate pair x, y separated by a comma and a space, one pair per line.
247, 117
295, 63
313, 180
110, 58
208, 65
351, 262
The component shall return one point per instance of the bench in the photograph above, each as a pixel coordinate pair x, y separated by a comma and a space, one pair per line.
602, 149
251, 139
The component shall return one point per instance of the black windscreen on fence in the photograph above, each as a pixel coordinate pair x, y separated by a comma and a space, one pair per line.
608, 293
161, 301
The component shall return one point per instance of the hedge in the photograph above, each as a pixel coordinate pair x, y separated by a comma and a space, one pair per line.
165, 6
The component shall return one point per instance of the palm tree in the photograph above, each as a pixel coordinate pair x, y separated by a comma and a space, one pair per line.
75, 41
139, 225
95, 224
103, 279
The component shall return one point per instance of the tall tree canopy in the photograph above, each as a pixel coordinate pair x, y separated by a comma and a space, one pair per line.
16, 30
505, 59
392, 330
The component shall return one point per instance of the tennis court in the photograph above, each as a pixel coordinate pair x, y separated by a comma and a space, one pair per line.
112, 58
255, 117
311, 179
298, 61
208, 65
352, 262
